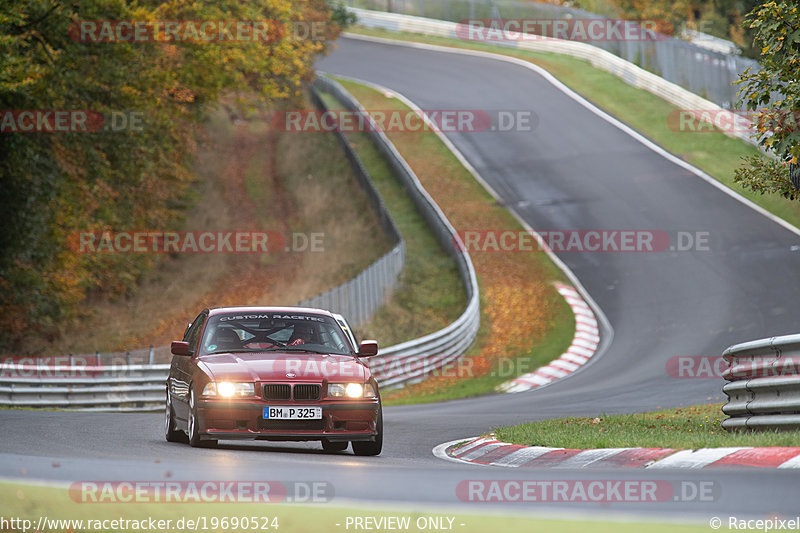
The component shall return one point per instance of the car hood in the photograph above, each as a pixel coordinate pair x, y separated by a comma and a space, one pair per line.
274, 366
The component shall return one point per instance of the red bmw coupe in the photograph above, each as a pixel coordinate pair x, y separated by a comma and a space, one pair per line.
273, 373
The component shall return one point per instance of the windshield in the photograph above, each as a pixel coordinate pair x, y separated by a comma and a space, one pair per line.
264, 332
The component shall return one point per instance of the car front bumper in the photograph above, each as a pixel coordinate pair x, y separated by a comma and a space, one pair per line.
346, 420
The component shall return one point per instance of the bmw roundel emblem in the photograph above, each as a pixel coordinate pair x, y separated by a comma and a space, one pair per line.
291, 375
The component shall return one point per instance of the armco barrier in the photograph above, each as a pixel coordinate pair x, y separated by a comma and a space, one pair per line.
93, 388
142, 387
360, 297
411, 360
599, 58
763, 384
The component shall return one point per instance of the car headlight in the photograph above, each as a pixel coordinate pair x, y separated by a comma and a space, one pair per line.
351, 390
226, 389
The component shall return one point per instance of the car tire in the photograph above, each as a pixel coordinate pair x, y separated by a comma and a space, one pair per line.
334, 446
194, 434
371, 447
171, 434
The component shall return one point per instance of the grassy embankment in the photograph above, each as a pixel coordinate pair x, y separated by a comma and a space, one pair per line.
249, 177
682, 428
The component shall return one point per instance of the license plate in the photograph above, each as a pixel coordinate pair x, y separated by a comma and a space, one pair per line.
292, 413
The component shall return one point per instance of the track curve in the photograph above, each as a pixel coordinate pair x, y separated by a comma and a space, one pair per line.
574, 171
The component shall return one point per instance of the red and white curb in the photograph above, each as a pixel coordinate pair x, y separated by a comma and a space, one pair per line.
584, 344
488, 451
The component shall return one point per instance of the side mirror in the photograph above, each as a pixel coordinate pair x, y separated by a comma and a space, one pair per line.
368, 348
180, 348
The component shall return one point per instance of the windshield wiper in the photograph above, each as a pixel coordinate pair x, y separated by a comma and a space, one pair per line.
235, 350
301, 349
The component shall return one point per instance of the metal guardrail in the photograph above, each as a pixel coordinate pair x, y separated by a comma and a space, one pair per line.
629, 72
85, 387
412, 360
360, 297
92, 386
763, 384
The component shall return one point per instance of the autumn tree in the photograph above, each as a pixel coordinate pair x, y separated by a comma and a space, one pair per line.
57, 184
773, 93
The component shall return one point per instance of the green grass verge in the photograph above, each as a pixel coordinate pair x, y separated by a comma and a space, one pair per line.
682, 428
554, 343
713, 152
30, 502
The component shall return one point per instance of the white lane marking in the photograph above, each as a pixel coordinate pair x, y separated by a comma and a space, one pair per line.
580, 350
522, 456
477, 453
440, 451
688, 459
587, 457
588, 337
575, 358
575, 301
534, 379
584, 344
583, 311
566, 365
794, 462
555, 372
587, 328
467, 447
581, 319
694, 458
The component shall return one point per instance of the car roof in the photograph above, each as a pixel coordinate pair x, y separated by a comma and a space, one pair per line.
246, 309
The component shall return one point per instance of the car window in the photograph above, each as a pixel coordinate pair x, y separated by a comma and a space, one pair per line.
301, 333
192, 334
347, 330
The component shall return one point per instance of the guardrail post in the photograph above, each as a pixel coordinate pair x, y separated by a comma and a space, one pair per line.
152, 355
128, 358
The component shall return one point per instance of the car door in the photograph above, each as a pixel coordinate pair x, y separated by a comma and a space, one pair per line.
183, 367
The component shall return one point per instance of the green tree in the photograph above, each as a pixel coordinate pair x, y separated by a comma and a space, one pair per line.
773, 92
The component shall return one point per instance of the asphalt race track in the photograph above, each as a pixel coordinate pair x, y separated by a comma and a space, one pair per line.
574, 171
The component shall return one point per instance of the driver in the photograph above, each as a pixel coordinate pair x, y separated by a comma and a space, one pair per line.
226, 339
301, 334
